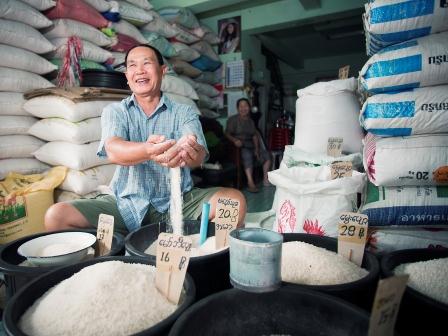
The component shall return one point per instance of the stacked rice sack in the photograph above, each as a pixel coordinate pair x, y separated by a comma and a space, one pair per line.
307, 199
21, 69
406, 149
72, 131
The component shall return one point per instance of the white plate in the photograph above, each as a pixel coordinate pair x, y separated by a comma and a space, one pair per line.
57, 248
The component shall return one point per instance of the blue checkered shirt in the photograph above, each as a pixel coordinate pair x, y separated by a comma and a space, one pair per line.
136, 187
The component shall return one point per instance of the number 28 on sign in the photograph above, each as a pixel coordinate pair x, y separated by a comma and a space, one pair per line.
352, 236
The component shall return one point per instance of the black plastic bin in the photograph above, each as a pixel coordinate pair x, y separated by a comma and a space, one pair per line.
104, 78
286, 311
419, 314
17, 276
24, 298
360, 292
210, 273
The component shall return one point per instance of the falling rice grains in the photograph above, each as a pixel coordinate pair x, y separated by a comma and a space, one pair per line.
176, 201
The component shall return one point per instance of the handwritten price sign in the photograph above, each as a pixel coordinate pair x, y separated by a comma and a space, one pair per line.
344, 72
104, 234
341, 169
352, 236
334, 147
226, 219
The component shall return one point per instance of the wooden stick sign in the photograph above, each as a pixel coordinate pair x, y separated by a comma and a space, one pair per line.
173, 256
344, 72
352, 236
104, 234
334, 147
226, 219
341, 169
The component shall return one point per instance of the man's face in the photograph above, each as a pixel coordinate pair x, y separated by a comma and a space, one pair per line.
143, 71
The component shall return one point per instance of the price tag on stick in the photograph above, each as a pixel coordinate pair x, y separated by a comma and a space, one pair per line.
173, 256
344, 72
226, 220
386, 305
104, 234
341, 169
352, 236
334, 147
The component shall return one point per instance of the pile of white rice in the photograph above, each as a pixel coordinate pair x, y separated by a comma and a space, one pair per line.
107, 298
428, 277
307, 264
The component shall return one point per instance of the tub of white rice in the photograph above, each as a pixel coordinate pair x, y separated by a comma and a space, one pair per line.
108, 296
312, 262
424, 307
208, 267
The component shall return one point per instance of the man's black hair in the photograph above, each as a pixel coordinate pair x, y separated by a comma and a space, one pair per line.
157, 52
241, 100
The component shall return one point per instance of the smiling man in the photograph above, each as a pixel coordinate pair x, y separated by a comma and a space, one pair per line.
145, 135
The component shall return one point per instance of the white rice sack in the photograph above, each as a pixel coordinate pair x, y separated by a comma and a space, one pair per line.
184, 52
190, 81
18, 146
60, 107
58, 129
418, 160
308, 201
183, 100
118, 58
178, 86
306, 264
11, 103
25, 166
40, 5
389, 22
160, 43
90, 51
206, 49
160, 26
206, 90
68, 27
86, 181
77, 157
184, 68
100, 5
420, 206
207, 102
418, 111
21, 81
16, 124
180, 15
67, 196
385, 241
125, 28
295, 157
212, 38
416, 63
18, 11
113, 289
141, 3
209, 77
21, 35
17, 58
328, 109
184, 36
134, 14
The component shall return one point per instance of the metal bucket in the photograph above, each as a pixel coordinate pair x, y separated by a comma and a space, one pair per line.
255, 259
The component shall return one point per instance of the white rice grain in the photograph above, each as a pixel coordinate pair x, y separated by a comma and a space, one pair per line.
307, 264
107, 298
176, 201
428, 277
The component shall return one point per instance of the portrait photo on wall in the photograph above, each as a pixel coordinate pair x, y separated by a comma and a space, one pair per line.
229, 35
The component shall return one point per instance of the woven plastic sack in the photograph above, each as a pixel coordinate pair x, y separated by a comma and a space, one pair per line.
86, 181
180, 15
78, 11
16, 124
11, 103
160, 43
40, 5
17, 58
134, 14
21, 81
160, 26
18, 11
178, 86
90, 51
18, 146
21, 166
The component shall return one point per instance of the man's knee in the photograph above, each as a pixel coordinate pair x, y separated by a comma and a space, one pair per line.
61, 216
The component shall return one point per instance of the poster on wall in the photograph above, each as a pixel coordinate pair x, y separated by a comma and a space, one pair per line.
229, 35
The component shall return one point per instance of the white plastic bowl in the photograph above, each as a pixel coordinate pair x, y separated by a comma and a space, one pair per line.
57, 249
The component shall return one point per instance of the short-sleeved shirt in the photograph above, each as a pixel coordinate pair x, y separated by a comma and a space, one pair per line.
136, 187
242, 129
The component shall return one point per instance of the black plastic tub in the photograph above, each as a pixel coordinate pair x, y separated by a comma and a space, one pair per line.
210, 273
419, 314
17, 276
360, 292
24, 298
104, 78
286, 311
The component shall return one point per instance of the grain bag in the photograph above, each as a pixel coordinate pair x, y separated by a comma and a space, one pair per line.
11, 103
159, 25
99, 5
206, 89
209, 77
77, 157
407, 161
83, 63
308, 201
15, 80
184, 52
40, 5
206, 49
86, 181
16, 124
18, 146
125, 28
388, 22
68, 27
419, 206
160, 43
178, 86
181, 15
416, 63
205, 63
21, 35
207, 102
141, 3
416, 111
58, 129
18, 11
183, 68
24, 201
90, 51
183, 100
183, 35
21, 59
21, 166
134, 14
328, 109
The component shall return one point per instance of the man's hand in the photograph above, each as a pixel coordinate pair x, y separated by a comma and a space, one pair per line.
238, 143
165, 153
192, 152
